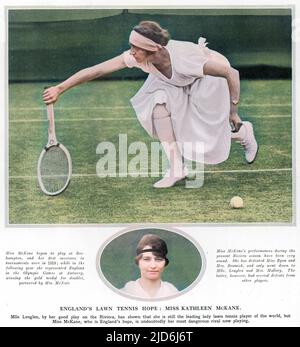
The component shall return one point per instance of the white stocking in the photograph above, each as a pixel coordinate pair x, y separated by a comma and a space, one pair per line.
164, 129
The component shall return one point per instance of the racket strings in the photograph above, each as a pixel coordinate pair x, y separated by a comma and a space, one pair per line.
54, 169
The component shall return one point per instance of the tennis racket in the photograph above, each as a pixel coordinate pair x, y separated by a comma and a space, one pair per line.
55, 164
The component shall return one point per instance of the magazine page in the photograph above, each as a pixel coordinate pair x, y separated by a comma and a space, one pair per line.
149, 167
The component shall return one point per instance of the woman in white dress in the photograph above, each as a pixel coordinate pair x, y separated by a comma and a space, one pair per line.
190, 96
151, 258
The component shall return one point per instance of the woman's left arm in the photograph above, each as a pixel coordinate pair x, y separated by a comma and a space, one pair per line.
232, 76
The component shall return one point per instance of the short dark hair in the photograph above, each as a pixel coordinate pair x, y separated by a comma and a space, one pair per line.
156, 244
153, 31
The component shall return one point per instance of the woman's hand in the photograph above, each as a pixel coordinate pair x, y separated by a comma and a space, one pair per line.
50, 95
235, 121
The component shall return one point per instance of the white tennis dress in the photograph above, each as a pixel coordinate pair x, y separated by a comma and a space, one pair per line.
199, 104
134, 288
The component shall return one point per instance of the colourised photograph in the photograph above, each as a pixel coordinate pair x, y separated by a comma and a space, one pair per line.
151, 264
120, 116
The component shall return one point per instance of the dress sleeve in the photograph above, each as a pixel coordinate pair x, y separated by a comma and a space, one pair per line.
197, 56
209, 54
190, 58
129, 59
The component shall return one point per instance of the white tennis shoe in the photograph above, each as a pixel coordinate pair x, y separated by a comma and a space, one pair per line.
249, 143
169, 180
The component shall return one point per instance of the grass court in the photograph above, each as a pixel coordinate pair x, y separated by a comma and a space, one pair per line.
100, 111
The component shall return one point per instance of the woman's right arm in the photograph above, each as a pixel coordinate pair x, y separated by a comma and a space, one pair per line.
51, 94
216, 67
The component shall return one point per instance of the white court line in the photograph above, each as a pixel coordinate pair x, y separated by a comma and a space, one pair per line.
159, 173
123, 107
71, 108
271, 116
70, 119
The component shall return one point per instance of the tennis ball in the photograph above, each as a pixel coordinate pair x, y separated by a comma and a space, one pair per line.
236, 202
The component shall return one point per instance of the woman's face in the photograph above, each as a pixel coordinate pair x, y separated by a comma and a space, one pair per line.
151, 266
139, 54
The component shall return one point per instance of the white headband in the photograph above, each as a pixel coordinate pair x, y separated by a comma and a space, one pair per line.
143, 42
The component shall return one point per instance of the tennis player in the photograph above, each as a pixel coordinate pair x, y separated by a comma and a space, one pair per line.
151, 257
191, 95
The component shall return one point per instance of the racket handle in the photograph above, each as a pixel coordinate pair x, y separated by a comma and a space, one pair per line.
51, 124
46, 87
50, 113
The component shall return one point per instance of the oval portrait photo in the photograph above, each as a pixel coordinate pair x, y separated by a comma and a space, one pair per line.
151, 263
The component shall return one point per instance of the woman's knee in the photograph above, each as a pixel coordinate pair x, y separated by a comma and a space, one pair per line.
160, 111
